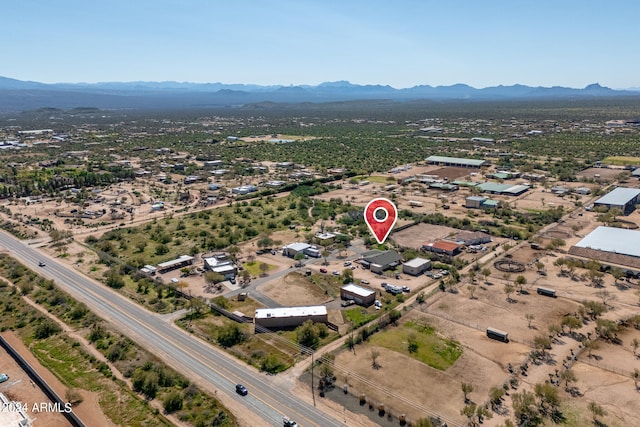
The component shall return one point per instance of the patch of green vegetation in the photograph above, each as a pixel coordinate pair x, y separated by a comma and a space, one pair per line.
330, 284
376, 178
360, 316
256, 269
421, 342
260, 350
621, 160
76, 368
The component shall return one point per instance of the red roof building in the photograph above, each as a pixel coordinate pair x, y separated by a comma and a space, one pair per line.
443, 247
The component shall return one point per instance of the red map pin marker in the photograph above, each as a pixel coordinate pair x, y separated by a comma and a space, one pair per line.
380, 215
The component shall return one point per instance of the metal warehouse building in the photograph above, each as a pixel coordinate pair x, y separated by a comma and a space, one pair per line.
455, 161
504, 189
361, 295
289, 317
621, 198
416, 266
610, 245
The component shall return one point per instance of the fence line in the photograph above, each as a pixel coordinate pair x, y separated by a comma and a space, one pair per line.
46, 388
606, 367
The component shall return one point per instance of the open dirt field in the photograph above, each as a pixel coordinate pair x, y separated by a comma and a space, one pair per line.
450, 173
484, 361
539, 198
605, 174
458, 316
294, 289
413, 388
414, 237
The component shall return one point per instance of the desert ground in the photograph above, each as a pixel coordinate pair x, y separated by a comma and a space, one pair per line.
410, 387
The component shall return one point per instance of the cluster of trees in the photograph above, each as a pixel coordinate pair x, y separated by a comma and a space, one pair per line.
52, 181
310, 334
150, 377
531, 407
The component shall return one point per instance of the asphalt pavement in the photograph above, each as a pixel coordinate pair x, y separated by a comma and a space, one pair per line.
185, 353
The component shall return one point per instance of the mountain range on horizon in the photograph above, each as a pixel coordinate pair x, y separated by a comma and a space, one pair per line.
20, 95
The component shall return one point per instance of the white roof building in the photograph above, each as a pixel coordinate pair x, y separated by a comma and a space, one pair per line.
285, 312
612, 239
358, 290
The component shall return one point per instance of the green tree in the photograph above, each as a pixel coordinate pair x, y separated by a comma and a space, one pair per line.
486, 273
146, 382
325, 254
466, 389
548, 396
374, 359
230, 335
572, 323
263, 267
172, 402
495, 396
596, 411
115, 280
591, 345
307, 334
245, 276
211, 277
521, 281
568, 377
509, 289
542, 343
554, 329
525, 407
605, 296
561, 263
197, 308
161, 249
529, 318
471, 289
141, 245
265, 242
45, 329
469, 411
233, 251
298, 258
272, 364
423, 422
594, 308
482, 412
607, 329
347, 275
412, 342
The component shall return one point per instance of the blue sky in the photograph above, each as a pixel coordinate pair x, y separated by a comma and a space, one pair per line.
401, 43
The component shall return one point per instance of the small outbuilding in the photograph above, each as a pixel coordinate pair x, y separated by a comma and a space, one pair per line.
416, 266
359, 294
295, 248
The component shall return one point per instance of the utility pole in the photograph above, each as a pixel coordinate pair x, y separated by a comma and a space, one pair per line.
313, 394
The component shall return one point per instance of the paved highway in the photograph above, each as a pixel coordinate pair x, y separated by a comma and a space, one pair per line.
189, 355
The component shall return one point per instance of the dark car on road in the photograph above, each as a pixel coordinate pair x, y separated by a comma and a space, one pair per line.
41, 264
241, 390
